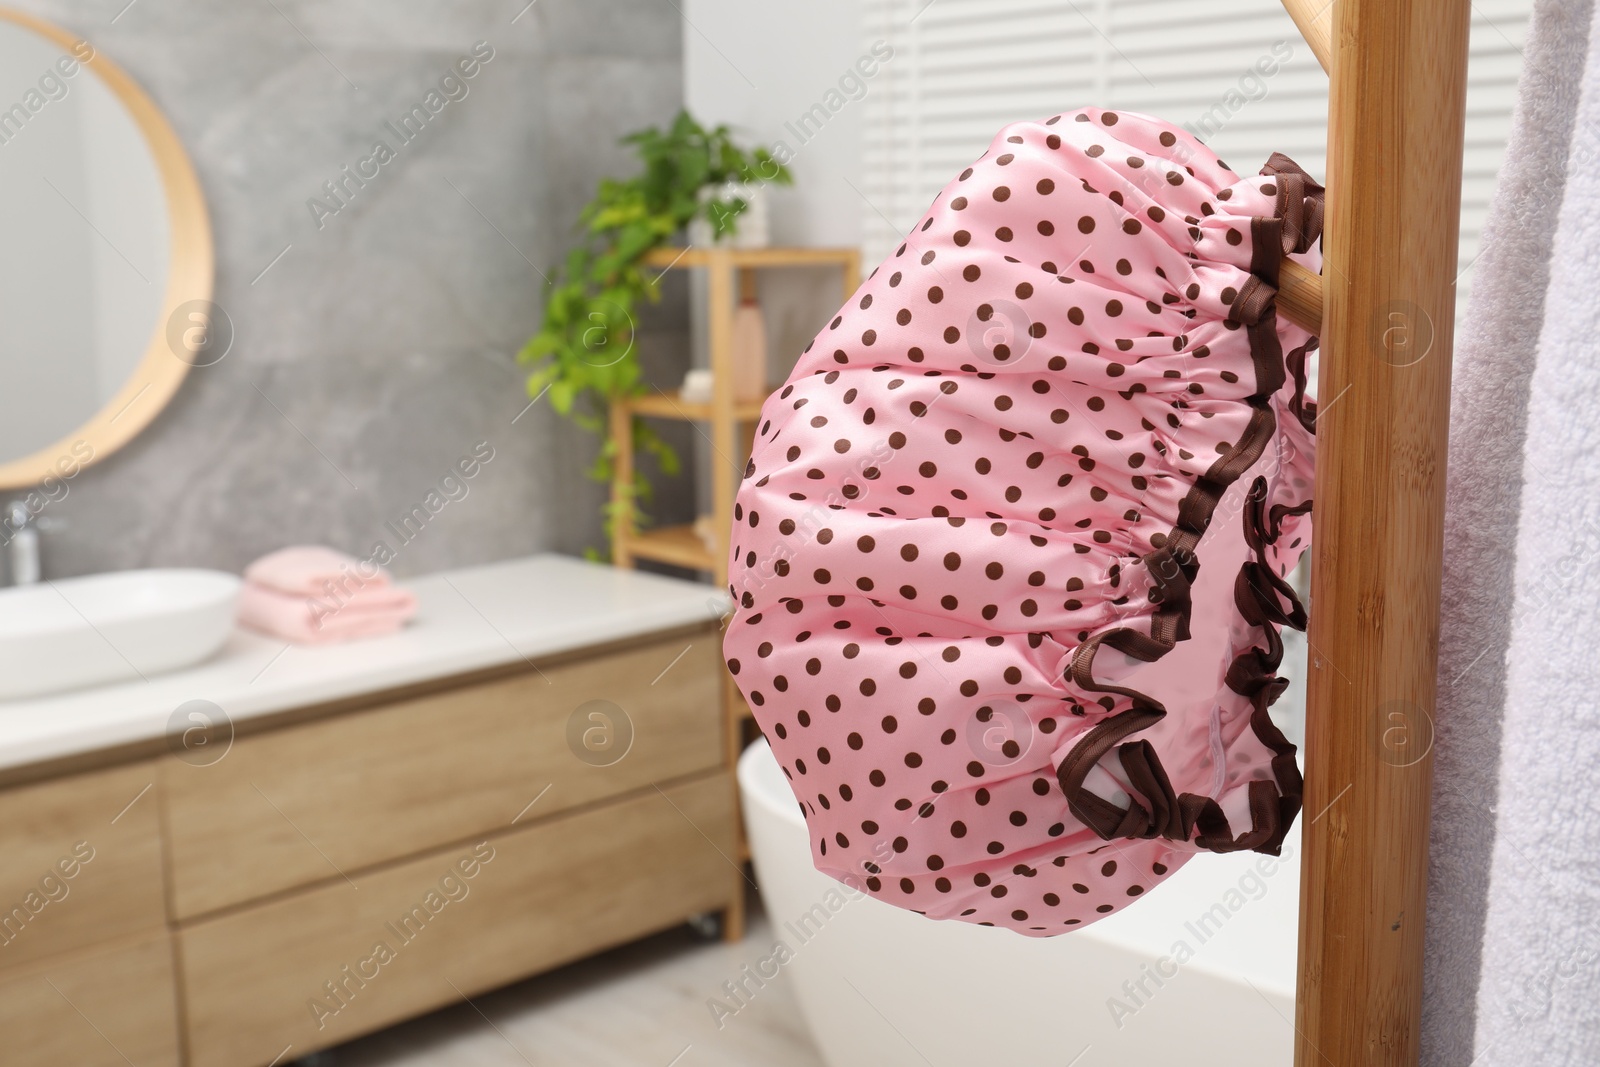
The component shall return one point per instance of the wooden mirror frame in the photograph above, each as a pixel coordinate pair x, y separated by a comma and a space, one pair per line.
189, 277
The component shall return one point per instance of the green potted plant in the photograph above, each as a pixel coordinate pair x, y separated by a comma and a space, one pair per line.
584, 350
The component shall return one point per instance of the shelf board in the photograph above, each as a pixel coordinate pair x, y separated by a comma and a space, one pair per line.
670, 405
677, 545
752, 257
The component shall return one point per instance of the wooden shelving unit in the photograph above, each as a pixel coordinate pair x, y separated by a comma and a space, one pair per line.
730, 423
730, 426
671, 406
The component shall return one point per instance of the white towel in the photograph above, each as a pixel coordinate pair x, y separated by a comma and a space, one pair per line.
1539, 998
1495, 355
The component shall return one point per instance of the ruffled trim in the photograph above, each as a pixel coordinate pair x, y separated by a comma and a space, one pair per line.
1259, 593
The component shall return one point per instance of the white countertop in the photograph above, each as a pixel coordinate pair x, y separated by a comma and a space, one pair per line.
467, 620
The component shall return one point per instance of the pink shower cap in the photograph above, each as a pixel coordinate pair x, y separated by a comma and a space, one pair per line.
1009, 556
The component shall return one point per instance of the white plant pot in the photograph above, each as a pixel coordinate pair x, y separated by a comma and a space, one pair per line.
754, 223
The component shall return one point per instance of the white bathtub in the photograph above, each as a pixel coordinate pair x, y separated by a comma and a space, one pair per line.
882, 987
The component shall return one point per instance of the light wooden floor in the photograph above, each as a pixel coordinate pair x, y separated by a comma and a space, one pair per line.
643, 1005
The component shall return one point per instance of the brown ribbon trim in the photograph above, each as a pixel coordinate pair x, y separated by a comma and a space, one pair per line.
1096, 812
1303, 409
1259, 593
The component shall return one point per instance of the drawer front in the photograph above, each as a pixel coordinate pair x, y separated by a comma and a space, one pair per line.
332, 962
80, 863
322, 799
107, 1009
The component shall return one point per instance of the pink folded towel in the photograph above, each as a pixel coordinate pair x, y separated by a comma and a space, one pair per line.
308, 621
313, 570
310, 595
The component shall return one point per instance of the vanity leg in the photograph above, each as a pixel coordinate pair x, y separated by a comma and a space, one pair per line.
733, 918
733, 744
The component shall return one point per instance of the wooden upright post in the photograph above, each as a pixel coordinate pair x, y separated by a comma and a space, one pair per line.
727, 466
1394, 189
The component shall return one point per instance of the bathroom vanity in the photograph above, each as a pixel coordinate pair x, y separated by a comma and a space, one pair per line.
285, 847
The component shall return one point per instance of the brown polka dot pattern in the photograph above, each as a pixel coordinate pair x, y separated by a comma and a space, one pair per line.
979, 469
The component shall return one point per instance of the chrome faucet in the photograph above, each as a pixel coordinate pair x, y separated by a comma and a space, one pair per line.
22, 544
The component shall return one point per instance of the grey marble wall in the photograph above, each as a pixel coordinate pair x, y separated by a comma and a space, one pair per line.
380, 347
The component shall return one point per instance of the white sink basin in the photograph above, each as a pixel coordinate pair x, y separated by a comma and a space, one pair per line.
111, 627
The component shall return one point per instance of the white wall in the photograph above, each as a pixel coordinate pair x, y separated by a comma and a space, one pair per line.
763, 67
759, 65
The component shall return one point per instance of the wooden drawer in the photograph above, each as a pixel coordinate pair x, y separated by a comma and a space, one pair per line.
306, 971
80, 863
106, 1009
322, 799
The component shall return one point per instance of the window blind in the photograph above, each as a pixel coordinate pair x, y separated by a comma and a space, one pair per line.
962, 69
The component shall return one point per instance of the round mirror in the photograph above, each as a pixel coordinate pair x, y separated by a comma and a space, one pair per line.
105, 261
